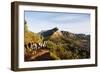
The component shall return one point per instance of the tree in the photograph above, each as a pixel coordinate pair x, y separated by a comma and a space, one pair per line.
25, 26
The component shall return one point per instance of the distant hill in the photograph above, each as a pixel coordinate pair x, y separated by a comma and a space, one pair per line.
55, 32
48, 32
67, 39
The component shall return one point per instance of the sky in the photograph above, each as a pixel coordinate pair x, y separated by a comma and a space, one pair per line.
73, 22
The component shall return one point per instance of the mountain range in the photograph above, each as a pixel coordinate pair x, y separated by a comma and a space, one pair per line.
81, 40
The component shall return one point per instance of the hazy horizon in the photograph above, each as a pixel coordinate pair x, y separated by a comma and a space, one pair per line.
78, 23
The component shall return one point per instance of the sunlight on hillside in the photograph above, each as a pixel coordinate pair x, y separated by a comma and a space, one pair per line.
55, 45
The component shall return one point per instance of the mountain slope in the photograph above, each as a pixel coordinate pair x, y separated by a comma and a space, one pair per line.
48, 32
30, 36
75, 45
60, 44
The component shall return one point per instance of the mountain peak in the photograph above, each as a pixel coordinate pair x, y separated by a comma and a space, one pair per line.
49, 32
55, 29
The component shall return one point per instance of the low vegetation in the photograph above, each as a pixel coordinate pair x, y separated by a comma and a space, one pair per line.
60, 44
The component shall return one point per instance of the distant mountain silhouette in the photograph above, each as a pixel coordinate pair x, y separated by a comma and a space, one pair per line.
48, 32
56, 32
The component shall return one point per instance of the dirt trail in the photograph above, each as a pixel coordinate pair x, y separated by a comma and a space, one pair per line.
39, 53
